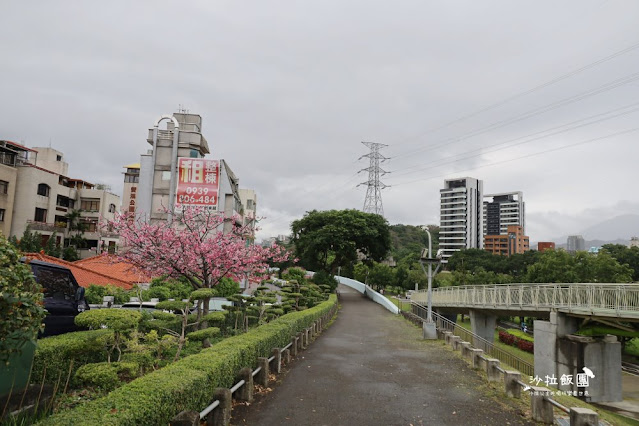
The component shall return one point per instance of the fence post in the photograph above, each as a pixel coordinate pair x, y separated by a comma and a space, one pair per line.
286, 354
475, 355
454, 342
583, 417
491, 369
294, 344
312, 331
513, 389
541, 409
277, 360
447, 335
465, 349
262, 376
221, 416
186, 418
300, 340
245, 393
306, 340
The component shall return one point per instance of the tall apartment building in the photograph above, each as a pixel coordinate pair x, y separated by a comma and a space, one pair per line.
503, 210
461, 216
575, 243
513, 242
155, 176
43, 196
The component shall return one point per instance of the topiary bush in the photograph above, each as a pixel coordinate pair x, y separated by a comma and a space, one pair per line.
120, 321
201, 335
59, 356
106, 376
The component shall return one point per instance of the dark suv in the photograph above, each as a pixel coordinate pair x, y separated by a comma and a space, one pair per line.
63, 297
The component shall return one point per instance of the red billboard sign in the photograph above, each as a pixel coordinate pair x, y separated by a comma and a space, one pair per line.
198, 183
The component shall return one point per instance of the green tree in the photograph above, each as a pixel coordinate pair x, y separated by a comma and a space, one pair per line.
76, 228
381, 275
624, 255
30, 242
325, 240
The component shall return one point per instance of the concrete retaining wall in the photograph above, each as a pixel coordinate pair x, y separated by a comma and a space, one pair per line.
369, 292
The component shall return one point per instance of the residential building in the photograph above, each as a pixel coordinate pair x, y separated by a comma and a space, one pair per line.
155, 176
503, 210
545, 245
461, 216
130, 189
575, 243
45, 195
634, 242
513, 242
12, 156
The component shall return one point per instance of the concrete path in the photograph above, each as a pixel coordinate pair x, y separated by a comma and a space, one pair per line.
372, 368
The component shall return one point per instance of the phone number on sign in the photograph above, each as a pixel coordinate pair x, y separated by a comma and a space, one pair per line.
194, 190
193, 199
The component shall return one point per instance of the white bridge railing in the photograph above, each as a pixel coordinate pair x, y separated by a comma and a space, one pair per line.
611, 300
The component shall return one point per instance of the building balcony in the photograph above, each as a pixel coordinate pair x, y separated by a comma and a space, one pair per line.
47, 226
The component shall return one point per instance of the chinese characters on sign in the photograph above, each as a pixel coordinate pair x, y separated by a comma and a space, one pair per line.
198, 183
583, 381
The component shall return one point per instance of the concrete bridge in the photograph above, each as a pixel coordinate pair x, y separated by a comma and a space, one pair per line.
560, 309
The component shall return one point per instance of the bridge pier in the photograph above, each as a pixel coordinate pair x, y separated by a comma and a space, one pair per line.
560, 353
482, 324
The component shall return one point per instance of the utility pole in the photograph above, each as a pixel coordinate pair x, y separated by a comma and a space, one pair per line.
373, 201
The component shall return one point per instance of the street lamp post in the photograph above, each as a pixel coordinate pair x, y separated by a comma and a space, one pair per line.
430, 330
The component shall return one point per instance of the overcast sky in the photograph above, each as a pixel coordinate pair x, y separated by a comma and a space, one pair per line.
288, 90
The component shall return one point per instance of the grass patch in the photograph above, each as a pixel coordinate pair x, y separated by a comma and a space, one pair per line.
401, 306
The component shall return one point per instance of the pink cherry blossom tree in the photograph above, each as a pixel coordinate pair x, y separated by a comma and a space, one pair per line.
193, 247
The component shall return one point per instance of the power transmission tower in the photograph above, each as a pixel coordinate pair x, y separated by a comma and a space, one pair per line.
373, 201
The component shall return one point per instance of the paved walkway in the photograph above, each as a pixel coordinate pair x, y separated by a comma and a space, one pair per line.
372, 368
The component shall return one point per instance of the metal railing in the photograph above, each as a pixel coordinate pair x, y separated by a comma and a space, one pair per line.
612, 300
444, 324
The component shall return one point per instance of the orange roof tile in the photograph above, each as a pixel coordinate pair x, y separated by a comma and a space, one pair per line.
83, 276
111, 266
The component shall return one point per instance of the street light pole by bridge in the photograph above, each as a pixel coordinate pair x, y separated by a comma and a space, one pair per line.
430, 330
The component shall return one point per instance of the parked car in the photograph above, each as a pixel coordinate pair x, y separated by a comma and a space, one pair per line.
63, 297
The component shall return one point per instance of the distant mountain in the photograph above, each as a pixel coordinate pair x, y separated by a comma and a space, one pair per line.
616, 230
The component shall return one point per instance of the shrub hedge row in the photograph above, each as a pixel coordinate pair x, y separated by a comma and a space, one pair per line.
54, 354
509, 339
189, 383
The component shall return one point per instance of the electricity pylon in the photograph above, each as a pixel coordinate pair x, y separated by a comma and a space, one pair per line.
373, 201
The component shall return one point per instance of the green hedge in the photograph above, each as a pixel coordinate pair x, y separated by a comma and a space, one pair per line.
187, 384
55, 354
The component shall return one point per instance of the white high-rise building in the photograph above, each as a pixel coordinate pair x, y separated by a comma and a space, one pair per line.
503, 210
461, 216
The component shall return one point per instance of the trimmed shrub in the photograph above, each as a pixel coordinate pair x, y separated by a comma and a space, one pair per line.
522, 343
104, 375
186, 384
56, 353
200, 335
525, 345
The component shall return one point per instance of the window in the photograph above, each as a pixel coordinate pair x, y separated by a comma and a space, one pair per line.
58, 158
40, 215
194, 154
43, 189
249, 204
131, 178
90, 205
4, 187
111, 208
90, 226
1, 215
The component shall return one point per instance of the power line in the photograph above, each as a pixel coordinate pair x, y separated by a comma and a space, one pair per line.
525, 92
509, 144
373, 200
554, 105
623, 132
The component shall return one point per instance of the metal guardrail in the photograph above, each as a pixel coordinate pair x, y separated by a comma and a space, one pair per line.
444, 324
612, 300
